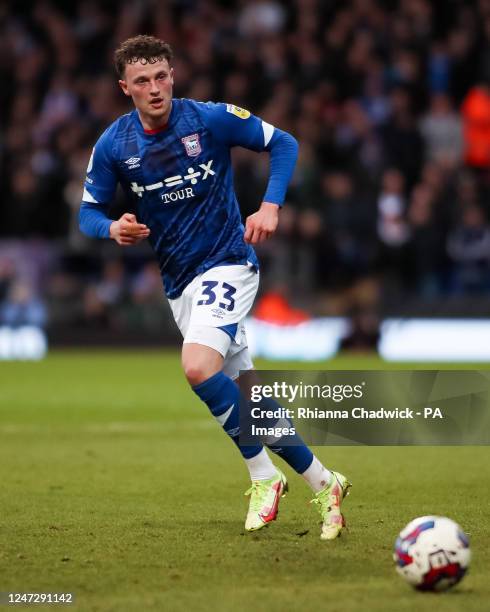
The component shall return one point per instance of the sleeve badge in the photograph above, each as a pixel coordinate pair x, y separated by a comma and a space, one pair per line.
237, 111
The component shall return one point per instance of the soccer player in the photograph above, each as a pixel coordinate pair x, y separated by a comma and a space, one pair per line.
172, 159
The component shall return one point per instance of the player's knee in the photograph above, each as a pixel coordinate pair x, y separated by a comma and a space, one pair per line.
201, 361
197, 371
194, 373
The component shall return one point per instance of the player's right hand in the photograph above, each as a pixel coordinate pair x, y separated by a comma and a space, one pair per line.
126, 231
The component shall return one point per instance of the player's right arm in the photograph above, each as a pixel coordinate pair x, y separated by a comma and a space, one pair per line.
100, 186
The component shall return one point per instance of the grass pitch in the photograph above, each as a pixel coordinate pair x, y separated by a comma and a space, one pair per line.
118, 486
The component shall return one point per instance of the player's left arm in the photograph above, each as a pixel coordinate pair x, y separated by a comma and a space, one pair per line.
235, 126
283, 149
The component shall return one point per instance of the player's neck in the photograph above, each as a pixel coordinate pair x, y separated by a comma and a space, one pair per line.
154, 123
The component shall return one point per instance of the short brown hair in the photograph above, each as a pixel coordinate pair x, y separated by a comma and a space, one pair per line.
141, 48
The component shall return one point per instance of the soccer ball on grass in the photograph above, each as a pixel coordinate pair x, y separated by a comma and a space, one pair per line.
432, 553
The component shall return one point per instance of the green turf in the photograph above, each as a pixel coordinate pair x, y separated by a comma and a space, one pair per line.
118, 486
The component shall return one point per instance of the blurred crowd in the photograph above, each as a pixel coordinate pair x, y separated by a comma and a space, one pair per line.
390, 101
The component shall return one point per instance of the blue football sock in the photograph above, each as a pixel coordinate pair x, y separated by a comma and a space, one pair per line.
295, 453
222, 397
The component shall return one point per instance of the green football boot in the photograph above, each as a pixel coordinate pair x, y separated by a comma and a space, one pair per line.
328, 502
264, 501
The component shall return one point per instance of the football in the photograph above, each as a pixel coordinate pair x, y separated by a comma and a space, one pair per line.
432, 553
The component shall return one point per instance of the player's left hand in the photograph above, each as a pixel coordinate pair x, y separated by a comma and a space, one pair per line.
262, 224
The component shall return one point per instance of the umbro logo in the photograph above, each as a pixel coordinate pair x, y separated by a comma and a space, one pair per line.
218, 313
132, 162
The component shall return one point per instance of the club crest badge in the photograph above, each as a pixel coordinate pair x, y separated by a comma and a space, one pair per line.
192, 145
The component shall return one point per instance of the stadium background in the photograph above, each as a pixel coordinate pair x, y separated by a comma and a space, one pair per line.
387, 214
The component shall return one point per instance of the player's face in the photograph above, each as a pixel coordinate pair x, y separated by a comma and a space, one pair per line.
150, 87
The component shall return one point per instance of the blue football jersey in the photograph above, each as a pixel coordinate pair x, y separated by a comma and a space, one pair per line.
180, 181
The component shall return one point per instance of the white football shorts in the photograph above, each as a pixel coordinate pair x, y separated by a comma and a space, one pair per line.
212, 310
